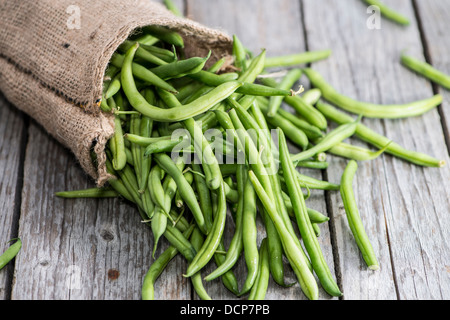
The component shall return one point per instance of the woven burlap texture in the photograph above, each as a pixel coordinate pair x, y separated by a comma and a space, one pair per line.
53, 70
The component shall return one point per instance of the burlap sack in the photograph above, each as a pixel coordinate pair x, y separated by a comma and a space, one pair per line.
53, 55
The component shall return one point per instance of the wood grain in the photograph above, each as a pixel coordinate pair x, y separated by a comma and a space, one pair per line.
89, 249
12, 144
394, 197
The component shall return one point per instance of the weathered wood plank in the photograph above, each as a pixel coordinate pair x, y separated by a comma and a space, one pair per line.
401, 205
277, 27
12, 131
77, 249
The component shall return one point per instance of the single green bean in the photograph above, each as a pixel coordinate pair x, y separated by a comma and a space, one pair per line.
326, 143
249, 237
259, 290
10, 253
165, 34
287, 83
354, 218
180, 68
187, 193
213, 239
371, 110
296, 59
388, 12
239, 53
88, 193
119, 159
170, 5
113, 87
352, 152
236, 245
368, 135
312, 96
427, 70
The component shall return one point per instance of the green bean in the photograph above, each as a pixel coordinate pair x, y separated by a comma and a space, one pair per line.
158, 226
307, 111
255, 68
119, 156
294, 133
239, 53
141, 72
197, 241
293, 253
312, 96
368, 135
316, 184
165, 35
326, 143
142, 53
317, 230
301, 214
180, 68
427, 70
113, 87
88, 193
370, 110
157, 192
311, 131
354, 219
161, 147
204, 195
287, 83
135, 128
170, 5
117, 184
388, 12
146, 161
157, 267
246, 88
179, 241
249, 237
10, 253
352, 152
200, 143
236, 245
187, 193
213, 239
320, 165
217, 66
296, 59
259, 290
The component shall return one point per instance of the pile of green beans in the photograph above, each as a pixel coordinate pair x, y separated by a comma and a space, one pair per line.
184, 189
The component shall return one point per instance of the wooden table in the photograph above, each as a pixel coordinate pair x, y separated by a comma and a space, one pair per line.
99, 249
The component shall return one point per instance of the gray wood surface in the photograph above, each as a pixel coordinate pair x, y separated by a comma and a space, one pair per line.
100, 250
